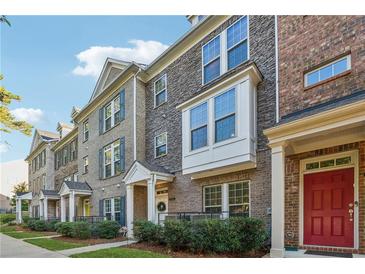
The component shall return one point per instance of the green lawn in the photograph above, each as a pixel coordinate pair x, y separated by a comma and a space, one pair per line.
7, 228
23, 235
52, 244
119, 252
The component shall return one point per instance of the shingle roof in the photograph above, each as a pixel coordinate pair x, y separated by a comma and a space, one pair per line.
21, 193
78, 185
48, 192
154, 167
354, 97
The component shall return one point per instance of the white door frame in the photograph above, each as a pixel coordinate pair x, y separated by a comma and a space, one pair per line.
164, 195
83, 206
355, 164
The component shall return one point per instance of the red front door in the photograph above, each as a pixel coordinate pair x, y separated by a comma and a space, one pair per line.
328, 197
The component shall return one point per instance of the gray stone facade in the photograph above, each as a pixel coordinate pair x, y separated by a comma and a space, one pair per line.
184, 81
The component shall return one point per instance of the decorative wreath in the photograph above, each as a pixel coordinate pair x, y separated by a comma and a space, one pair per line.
161, 206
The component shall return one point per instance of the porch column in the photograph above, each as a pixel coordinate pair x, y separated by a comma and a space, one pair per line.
18, 208
45, 206
41, 210
30, 208
277, 200
130, 209
63, 209
71, 206
225, 202
151, 199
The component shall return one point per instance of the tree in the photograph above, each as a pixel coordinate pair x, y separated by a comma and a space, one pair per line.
7, 121
20, 187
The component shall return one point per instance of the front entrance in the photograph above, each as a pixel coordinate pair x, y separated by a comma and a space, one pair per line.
162, 199
329, 208
87, 207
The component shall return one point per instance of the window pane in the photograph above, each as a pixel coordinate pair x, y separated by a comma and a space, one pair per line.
116, 205
237, 32
327, 163
161, 98
237, 55
108, 111
211, 50
224, 104
161, 140
213, 199
107, 205
108, 123
107, 155
325, 73
199, 138
161, 150
225, 128
108, 170
313, 165
343, 161
116, 117
116, 104
239, 199
212, 71
198, 116
312, 78
340, 66
160, 84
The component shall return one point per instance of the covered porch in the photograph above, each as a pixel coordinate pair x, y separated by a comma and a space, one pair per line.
147, 192
20, 197
318, 165
48, 201
74, 200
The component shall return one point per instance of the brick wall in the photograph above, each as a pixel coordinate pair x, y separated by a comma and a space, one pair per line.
308, 41
292, 181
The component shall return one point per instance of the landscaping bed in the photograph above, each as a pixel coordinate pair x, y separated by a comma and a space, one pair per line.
90, 241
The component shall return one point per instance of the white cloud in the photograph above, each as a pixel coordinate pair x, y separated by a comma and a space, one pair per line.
29, 115
4, 147
92, 59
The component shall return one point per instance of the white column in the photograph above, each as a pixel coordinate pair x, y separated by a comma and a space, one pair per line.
277, 201
71, 206
30, 208
18, 208
130, 209
45, 207
151, 199
225, 201
41, 210
63, 209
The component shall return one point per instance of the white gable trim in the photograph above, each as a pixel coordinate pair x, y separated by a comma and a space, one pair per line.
138, 173
26, 196
64, 190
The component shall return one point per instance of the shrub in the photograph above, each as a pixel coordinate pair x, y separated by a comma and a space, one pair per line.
64, 228
7, 218
81, 230
51, 225
31, 223
177, 234
26, 219
108, 229
40, 225
149, 232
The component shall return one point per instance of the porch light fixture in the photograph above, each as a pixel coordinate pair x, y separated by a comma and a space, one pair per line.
103, 189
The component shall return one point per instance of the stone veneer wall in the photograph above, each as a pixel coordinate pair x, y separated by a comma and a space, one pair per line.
292, 180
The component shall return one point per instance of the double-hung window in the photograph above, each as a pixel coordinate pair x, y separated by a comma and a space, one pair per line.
108, 209
325, 72
112, 113
108, 116
86, 164
213, 199
65, 156
211, 59
160, 90
225, 115
161, 145
237, 51
86, 130
73, 151
239, 201
199, 126
112, 164
116, 209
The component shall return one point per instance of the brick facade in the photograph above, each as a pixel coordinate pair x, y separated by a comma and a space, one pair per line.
292, 186
308, 41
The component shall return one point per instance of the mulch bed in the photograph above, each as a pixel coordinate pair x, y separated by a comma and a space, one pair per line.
187, 254
25, 229
92, 241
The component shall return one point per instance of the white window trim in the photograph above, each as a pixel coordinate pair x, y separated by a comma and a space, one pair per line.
85, 131
249, 194
224, 50
112, 208
84, 170
210, 186
112, 160
348, 59
112, 113
165, 133
154, 90
192, 129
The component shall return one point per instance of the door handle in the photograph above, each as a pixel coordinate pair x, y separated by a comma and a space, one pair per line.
351, 212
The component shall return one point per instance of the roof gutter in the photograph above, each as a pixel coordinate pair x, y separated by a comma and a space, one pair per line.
277, 71
135, 114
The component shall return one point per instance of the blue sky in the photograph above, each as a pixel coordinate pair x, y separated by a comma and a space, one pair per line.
52, 62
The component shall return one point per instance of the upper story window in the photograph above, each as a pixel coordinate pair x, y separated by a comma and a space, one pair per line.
112, 113
325, 72
113, 159
226, 51
85, 128
211, 59
73, 153
86, 164
160, 90
65, 155
161, 145
225, 115
237, 43
199, 126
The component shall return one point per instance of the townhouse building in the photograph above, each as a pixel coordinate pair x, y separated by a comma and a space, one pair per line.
318, 145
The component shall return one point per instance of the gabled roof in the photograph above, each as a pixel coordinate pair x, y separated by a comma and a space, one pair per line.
47, 192
63, 124
47, 135
40, 137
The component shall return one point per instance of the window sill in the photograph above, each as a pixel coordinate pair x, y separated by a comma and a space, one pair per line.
156, 107
110, 129
347, 72
110, 177
158, 157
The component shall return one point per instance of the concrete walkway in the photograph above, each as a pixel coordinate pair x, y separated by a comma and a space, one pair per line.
89, 248
15, 248
300, 253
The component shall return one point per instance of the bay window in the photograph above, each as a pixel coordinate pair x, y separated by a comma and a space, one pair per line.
161, 145
160, 90
224, 115
199, 126
211, 60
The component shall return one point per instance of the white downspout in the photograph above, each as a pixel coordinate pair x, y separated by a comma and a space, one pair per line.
276, 70
135, 115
